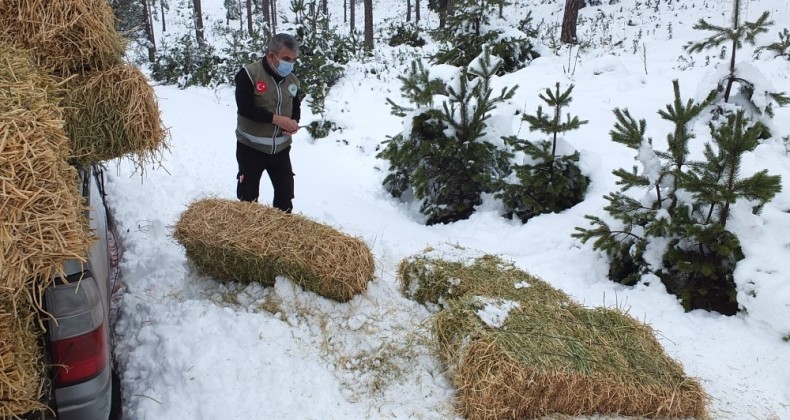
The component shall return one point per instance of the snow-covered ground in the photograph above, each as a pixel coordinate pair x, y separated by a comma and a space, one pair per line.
190, 347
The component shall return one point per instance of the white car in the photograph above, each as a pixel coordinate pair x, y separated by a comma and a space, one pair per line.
84, 386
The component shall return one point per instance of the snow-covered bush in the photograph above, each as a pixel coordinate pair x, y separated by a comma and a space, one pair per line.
405, 34
549, 180
446, 156
741, 86
469, 28
670, 218
186, 63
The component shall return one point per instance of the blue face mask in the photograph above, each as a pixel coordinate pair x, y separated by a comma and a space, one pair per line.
284, 68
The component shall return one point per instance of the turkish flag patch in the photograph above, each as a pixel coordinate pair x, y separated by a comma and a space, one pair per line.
260, 87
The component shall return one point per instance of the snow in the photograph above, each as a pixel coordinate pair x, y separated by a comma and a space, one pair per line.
494, 312
190, 347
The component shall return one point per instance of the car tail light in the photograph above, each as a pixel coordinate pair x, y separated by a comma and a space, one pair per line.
78, 336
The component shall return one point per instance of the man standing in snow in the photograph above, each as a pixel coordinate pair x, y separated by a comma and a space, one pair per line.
268, 102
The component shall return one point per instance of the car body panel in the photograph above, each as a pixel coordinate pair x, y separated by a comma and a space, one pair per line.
92, 398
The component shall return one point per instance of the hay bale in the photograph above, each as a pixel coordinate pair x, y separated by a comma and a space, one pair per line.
21, 366
67, 36
516, 348
113, 113
246, 242
545, 359
438, 276
40, 203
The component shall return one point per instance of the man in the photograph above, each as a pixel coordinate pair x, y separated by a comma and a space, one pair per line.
268, 102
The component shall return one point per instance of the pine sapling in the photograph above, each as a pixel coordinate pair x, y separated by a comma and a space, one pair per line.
691, 250
700, 262
444, 158
548, 182
737, 34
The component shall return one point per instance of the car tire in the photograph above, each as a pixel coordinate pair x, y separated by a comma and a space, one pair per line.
116, 410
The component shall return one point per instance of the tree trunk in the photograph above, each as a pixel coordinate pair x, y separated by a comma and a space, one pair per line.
149, 32
162, 9
249, 17
267, 20
353, 10
201, 40
345, 11
241, 16
408, 10
735, 22
416, 12
569, 19
274, 16
444, 13
369, 25
313, 19
325, 8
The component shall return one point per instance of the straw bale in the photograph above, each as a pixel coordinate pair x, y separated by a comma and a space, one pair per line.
560, 359
246, 242
113, 113
429, 278
21, 366
40, 203
68, 36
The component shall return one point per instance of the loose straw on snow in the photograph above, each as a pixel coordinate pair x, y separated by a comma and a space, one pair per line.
67, 36
245, 242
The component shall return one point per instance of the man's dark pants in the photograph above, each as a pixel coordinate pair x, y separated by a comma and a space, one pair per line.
252, 163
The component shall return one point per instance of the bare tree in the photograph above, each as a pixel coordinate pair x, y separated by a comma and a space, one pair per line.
274, 16
369, 25
353, 11
162, 9
199, 34
249, 17
445, 11
149, 31
241, 15
569, 19
267, 13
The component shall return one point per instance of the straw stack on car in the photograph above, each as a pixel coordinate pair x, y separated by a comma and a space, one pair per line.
67, 36
250, 242
40, 206
517, 348
21, 367
42, 222
61, 65
112, 113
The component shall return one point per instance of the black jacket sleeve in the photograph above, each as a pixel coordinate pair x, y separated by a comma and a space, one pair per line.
245, 99
296, 113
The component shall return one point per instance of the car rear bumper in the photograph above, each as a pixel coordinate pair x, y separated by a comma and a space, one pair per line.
86, 401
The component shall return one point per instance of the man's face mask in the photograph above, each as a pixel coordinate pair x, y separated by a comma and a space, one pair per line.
286, 63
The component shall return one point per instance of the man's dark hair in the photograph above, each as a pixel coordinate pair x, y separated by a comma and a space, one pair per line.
280, 41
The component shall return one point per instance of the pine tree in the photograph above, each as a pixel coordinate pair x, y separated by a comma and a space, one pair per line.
691, 250
445, 159
468, 28
548, 182
736, 35
323, 54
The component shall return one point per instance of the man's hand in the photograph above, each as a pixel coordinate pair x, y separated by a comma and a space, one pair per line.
289, 126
